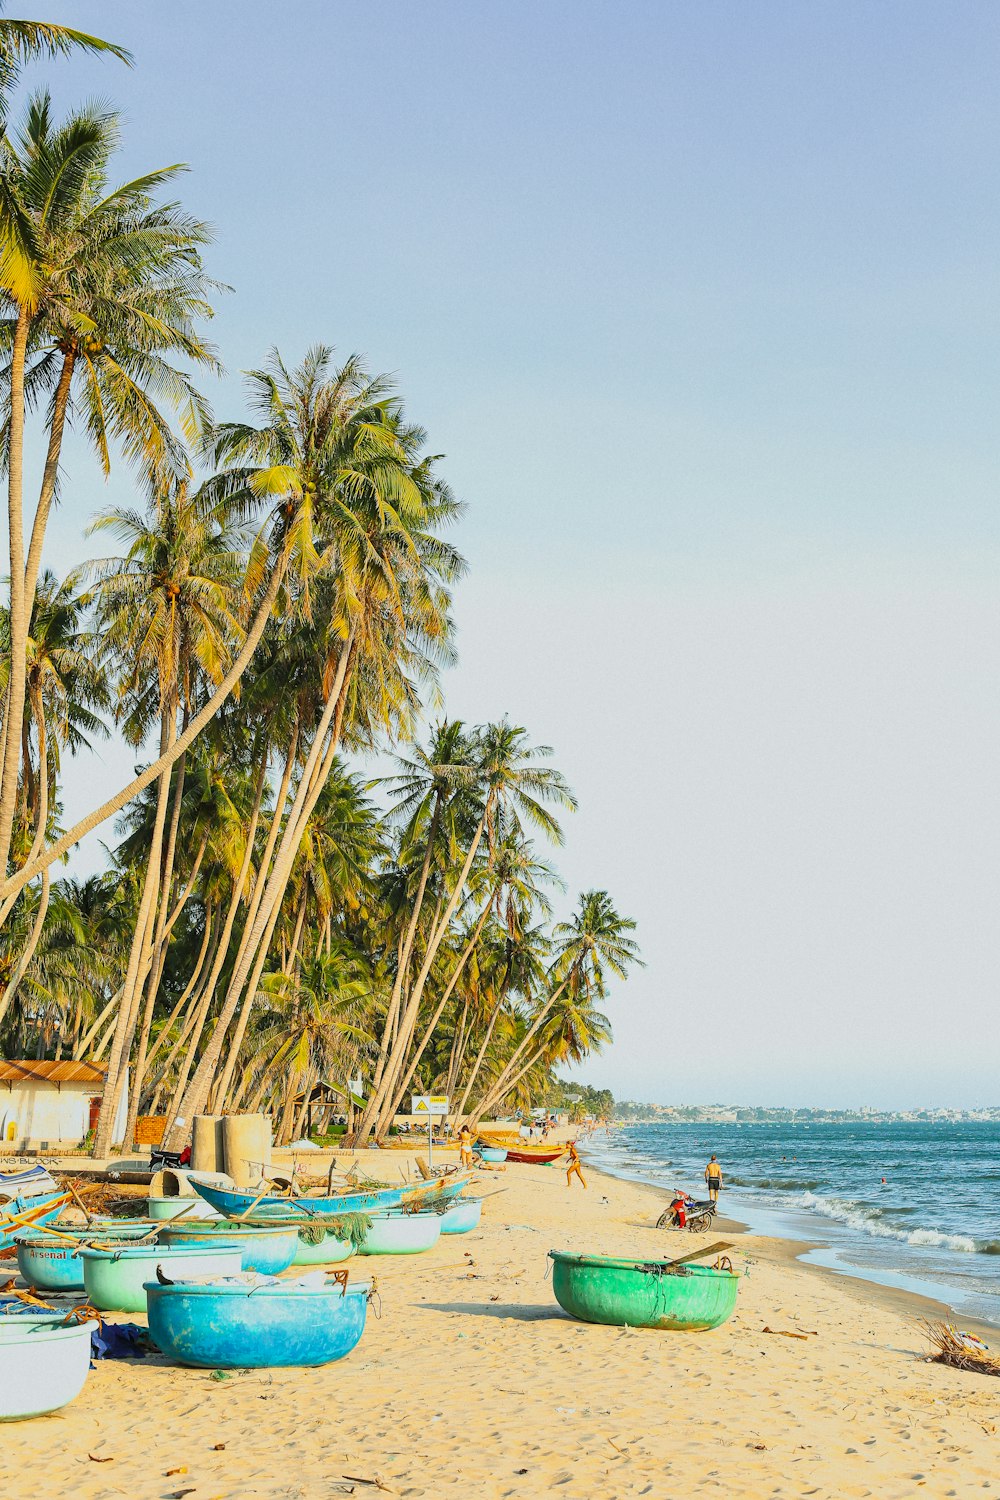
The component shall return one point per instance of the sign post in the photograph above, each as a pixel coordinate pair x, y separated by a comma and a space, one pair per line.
433, 1106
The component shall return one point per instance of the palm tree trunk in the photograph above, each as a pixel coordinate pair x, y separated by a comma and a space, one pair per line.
158, 950
300, 1118
457, 1050
198, 1006
477, 1114
96, 1025
17, 881
185, 997
18, 615
50, 474
404, 958
222, 1087
141, 945
413, 1004
386, 1118
222, 950
276, 821
197, 1091
503, 1085
481, 1054
42, 816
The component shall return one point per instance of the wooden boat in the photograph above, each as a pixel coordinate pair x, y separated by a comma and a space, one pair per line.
27, 1198
266, 1248
642, 1294
219, 1326
114, 1279
402, 1233
540, 1155
51, 1261
462, 1216
43, 1364
235, 1203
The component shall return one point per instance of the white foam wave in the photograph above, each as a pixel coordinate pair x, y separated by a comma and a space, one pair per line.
869, 1221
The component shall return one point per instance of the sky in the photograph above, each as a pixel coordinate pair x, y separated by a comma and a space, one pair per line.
700, 303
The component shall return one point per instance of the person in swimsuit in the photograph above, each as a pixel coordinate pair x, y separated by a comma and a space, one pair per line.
465, 1146
713, 1176
574, 1168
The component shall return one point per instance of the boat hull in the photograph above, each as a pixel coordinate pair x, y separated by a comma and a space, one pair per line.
402, 1234
177, 1207
114, 1279
53, 1264
599, 1289
265, 1250
228, 1328
24, 1213
536, 1158
43, 1365
462, 1216
232, 1203
329, 1252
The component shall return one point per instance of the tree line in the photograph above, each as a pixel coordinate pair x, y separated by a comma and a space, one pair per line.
273, 609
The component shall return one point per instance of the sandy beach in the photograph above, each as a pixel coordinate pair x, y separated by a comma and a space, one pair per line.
471, 1382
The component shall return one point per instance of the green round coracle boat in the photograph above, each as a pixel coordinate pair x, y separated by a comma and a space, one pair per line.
643, 1294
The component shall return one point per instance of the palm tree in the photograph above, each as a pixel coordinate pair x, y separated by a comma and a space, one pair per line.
368, 566
315, 1026
64, 688
25, 41
168, 613
114, 281
596, 938
513, 789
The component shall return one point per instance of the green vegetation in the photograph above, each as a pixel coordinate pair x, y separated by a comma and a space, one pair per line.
273, 606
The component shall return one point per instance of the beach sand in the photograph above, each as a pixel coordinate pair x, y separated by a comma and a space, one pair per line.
471, 1382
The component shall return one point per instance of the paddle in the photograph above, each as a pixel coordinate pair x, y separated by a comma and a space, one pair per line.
80, 1203
714, 1249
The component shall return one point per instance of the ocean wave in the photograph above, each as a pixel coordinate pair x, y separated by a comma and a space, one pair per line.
871, 1221
785, 1184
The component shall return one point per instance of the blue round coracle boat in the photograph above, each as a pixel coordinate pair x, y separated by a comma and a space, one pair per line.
462, 1217
492, 1153
52, 1262
224, 1326
265, 1249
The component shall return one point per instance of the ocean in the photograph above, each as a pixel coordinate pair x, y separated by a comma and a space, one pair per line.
932, 1227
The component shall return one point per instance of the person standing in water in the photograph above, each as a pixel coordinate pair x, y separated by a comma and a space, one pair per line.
713, 1176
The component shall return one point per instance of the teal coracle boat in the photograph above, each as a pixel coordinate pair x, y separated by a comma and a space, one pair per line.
227, 1327
401, 1233
265, 1248
492, 1153
114, 1279
43, 1365
462, 1216
642, 1294
51, 1262
316, 1246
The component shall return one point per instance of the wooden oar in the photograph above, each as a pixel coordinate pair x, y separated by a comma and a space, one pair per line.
79, 1202
714, 1249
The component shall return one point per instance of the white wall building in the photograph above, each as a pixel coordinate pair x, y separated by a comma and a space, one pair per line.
52, 1104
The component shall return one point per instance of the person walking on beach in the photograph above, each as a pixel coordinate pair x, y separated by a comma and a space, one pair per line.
574, 1166
465, 1146
713, 1176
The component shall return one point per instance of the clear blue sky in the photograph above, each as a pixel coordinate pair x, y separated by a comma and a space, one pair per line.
701, 304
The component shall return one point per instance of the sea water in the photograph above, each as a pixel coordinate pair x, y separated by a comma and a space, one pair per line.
933, 1225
